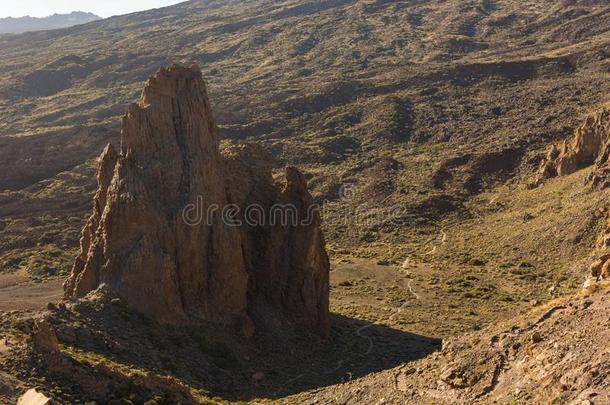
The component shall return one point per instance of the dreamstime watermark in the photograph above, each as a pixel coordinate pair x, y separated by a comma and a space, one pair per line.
253, 215
344, 212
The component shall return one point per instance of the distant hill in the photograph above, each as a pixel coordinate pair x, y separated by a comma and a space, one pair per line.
12, 25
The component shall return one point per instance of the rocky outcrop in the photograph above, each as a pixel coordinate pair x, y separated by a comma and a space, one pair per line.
590, 145
604, 238
600, 176
171, 233
553, 353
600, 268
44, 338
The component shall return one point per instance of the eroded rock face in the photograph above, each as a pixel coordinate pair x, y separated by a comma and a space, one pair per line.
179, 265
590, 145
44, 337
600, 268
600, 176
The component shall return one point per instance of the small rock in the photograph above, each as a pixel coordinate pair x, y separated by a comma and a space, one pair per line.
536, 337
478, 262
587, 303
527, 217
454, 378
44, 338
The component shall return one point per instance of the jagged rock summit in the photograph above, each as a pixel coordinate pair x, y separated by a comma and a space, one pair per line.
158, 238
590, 145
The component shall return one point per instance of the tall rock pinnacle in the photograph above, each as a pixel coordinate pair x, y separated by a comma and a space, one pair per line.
141, 245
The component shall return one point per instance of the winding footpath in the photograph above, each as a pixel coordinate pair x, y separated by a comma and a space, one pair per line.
406, 272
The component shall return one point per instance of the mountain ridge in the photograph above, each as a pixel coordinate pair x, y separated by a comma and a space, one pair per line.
19, 25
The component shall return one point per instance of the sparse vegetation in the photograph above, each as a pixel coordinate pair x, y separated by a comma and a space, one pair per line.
438, 112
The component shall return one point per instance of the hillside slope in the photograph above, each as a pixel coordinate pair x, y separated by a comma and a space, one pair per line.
554, 354
415, 107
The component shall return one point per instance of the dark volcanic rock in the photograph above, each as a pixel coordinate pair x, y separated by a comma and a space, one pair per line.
158, 237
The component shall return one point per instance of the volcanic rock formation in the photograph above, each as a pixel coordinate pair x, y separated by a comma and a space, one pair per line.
158, 237
590, 145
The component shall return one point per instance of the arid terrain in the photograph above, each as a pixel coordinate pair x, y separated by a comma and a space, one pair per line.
423, 129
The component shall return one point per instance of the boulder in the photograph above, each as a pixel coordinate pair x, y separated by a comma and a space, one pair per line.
168, 232
44, 338
601, 267
33, 397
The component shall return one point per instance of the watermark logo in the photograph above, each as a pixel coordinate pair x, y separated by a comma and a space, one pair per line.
253, 215
346, 211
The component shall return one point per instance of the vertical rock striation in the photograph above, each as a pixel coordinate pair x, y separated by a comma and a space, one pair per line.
178, 268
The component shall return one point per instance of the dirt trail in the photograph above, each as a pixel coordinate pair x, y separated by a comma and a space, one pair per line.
18, 293
13, 279
368, 285
553, 354
407, 272
347, 280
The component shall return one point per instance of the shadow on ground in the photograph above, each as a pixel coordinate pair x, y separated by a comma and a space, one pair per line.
356, 348
222, 365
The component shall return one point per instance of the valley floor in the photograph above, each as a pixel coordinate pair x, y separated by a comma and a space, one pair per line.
19, 293
517, 251
556, 353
